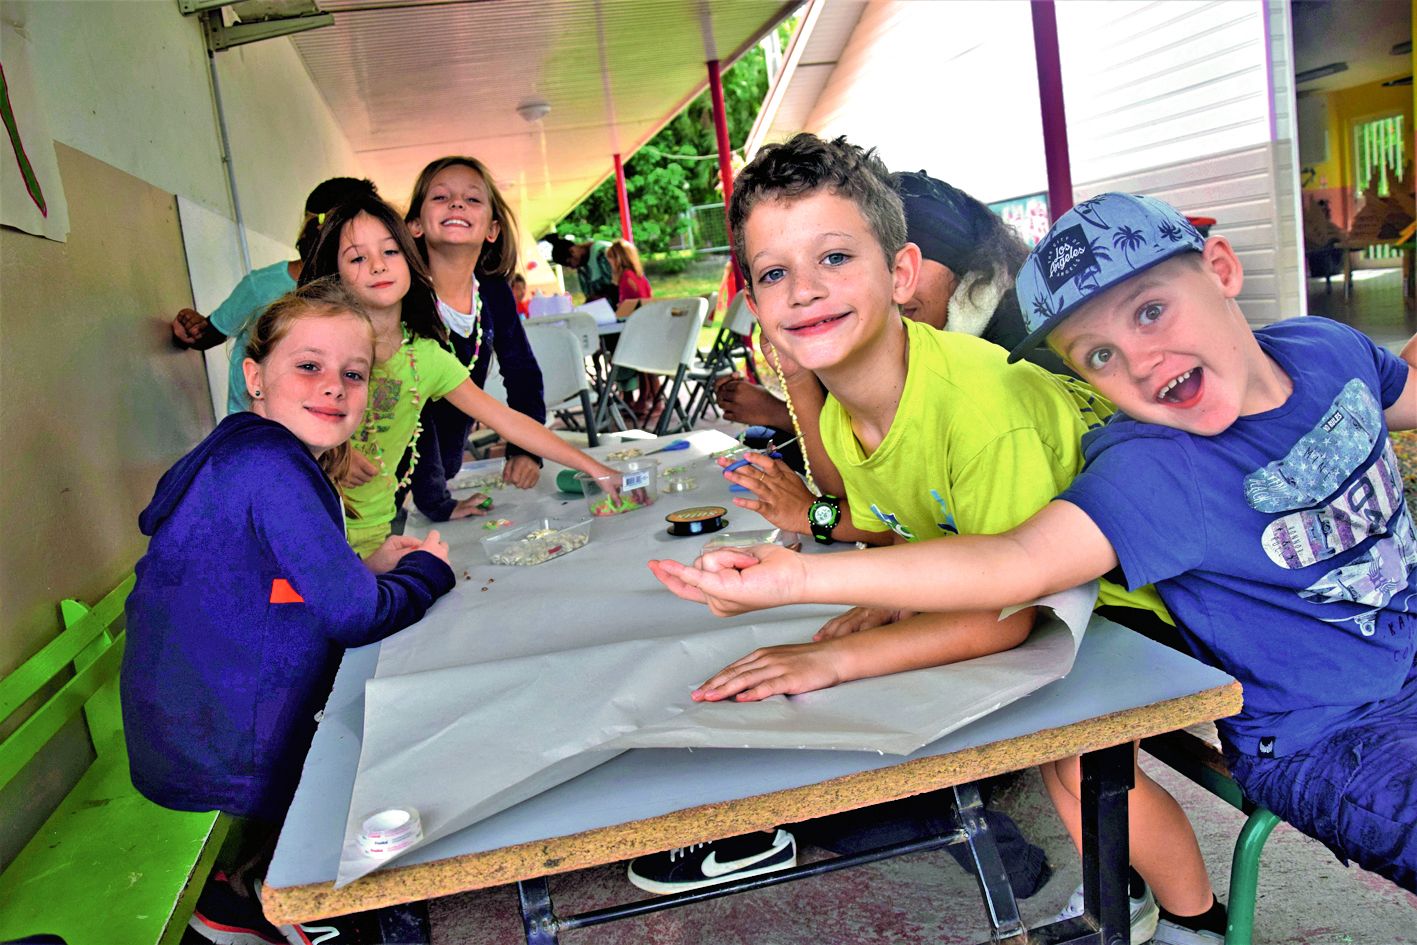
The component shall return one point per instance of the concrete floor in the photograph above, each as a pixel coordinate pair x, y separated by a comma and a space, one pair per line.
1375, 308
1306, 896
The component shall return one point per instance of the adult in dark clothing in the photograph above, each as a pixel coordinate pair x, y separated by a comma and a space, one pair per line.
591, 264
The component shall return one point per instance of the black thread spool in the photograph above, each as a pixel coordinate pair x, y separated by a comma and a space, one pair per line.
699, 520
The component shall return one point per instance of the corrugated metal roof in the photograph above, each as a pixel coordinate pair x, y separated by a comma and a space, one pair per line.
413, 80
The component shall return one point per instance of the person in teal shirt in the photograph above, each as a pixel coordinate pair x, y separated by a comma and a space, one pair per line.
257, 289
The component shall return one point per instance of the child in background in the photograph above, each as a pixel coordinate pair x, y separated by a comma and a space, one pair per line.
468, 237
258, 288
634, 289
249, 594
372, 251
1250, 478
522, 296
629, 274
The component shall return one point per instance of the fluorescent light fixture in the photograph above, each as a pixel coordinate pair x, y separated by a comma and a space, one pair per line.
1309, 75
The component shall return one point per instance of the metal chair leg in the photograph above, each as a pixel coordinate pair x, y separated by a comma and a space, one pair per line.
1245, 875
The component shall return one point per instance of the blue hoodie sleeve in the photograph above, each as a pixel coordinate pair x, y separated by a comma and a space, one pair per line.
297, 517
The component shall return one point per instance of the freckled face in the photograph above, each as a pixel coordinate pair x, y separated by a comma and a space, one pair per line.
371, 263
315, 381
457, 210
822, 288
1167, 347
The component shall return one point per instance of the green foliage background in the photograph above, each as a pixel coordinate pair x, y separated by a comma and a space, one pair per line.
662, 188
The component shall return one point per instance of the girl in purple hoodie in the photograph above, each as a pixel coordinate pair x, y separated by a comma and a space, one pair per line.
249, 594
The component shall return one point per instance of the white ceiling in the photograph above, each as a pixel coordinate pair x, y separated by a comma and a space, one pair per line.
414, 80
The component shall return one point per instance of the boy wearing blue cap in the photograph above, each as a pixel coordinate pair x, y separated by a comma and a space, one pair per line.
1248, 476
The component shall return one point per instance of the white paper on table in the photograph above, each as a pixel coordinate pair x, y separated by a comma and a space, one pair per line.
465, 742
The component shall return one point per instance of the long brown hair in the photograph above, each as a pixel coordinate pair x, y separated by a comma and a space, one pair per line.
419, 311
320, 298
498, 258
623, 255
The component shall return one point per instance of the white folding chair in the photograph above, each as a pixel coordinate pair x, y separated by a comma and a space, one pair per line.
717, 362
659, 338
583, 325
563, 374
564, 384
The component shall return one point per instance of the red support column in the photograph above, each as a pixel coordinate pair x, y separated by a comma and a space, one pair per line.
725, 160
622, 196
1050, 100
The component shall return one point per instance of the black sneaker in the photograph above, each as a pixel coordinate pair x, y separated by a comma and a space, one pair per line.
227, 918
714, 863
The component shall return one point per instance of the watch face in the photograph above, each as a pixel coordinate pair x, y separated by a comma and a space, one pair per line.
823, 514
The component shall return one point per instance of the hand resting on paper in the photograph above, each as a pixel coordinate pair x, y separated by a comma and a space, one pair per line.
472, 505
774, 670
733, 581
914, 642
521, 471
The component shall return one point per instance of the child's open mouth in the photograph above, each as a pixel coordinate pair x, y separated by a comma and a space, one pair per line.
1183, 390
456, 222
816, 325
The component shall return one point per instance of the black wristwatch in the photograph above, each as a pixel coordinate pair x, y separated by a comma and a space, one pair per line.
822, 516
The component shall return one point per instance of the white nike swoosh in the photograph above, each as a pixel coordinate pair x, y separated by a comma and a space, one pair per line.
711, 867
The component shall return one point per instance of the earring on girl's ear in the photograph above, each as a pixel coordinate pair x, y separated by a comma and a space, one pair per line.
256, 394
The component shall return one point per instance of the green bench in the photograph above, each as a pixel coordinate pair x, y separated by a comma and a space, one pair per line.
1202, 762
108, 866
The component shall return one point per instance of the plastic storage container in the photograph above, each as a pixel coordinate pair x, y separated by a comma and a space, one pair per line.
537, 541
637, 489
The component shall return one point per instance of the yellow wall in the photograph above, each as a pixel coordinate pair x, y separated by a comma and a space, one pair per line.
1333, 178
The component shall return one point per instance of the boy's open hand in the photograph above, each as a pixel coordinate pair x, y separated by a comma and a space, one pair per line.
857, 619
771, 671
733, 581
780, 495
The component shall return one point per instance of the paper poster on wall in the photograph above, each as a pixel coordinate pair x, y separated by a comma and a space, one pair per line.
31, 192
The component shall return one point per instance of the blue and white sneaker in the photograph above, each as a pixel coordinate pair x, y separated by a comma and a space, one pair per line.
714, 863
1169, 933
1144, 914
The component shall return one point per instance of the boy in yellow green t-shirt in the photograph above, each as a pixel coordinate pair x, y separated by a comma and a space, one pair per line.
932, 434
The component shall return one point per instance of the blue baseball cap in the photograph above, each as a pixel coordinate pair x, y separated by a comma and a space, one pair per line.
1097, 244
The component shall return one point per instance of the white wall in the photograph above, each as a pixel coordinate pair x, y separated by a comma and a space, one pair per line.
1173, 98
951, 88
126, 81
